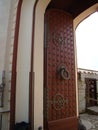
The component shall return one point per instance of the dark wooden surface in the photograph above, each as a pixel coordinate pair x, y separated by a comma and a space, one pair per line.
64, 124
60, 95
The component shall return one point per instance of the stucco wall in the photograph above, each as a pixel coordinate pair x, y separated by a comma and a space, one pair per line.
7, 27
23, 61
4, 16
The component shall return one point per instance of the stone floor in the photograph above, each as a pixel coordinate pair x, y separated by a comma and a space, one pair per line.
93, 109
90, 121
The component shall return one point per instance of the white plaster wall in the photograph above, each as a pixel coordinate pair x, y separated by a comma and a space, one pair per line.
9, 51
4, 17
23, 61
7, 27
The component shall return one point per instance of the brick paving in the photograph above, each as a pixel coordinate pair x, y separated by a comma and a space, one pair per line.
90, 121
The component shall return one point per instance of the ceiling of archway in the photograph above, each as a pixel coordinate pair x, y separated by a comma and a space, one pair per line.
75, 7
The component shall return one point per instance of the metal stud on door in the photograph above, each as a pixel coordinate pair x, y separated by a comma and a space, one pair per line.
59, 72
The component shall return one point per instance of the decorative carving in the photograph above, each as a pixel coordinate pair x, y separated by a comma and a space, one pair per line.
58, 101
58, 38
60, 94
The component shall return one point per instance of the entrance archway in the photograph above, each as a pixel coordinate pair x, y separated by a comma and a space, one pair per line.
38, 61
38, 44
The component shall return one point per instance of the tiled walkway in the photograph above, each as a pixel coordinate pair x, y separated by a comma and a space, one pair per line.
90, 121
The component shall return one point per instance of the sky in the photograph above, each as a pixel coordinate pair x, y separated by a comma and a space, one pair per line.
87, 43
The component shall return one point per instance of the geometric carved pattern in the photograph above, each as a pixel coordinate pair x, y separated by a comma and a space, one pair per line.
58, 101
58, 39
60, 97
91, 92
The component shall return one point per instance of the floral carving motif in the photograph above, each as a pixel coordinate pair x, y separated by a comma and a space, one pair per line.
58, 38
58, 101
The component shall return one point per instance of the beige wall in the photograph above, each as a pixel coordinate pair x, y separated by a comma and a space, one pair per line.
23, 61
85, 14
38, 63
9, 50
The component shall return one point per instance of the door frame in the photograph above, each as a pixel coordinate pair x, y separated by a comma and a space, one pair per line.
39, 44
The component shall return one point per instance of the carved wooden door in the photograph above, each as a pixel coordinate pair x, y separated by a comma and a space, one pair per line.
59, 72
91, 95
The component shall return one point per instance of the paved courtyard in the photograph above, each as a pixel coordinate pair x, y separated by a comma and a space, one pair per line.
90, 121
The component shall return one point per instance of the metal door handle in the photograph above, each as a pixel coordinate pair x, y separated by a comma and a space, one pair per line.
64, 73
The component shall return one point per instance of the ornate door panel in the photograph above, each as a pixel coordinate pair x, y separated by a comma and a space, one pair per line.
59, 72
91, 95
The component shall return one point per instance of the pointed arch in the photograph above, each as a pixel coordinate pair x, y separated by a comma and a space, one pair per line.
85, 14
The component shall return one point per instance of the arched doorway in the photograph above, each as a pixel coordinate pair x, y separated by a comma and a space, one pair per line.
38, 59
36, 67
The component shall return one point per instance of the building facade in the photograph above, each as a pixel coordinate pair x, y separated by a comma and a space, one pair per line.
88, 89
